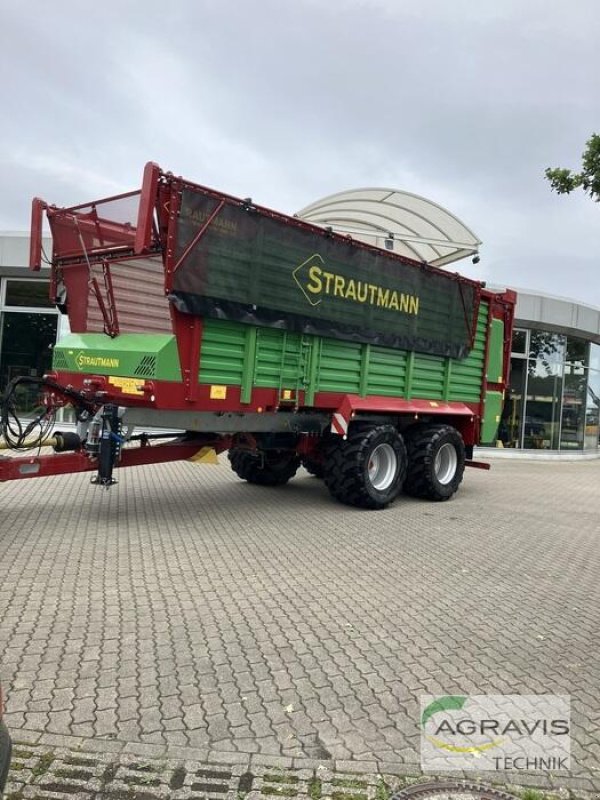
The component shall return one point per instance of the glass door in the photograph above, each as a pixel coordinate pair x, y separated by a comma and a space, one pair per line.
26, 343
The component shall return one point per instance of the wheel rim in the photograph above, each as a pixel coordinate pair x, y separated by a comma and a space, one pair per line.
446, 461
383, 467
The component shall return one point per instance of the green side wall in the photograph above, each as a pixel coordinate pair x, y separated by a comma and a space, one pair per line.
496, 357
491, 416
233, 353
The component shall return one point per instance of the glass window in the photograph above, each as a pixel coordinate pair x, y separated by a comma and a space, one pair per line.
26, 343
577, 350
595, 356
592, 411
548, 350
28, 293
519, 342
510, 429
573, 408
541, 423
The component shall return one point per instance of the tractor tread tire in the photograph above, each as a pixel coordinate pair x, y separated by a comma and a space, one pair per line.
314, 467
255, 469
422, 444
346, 467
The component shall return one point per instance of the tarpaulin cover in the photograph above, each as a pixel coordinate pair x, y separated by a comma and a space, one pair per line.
260, 270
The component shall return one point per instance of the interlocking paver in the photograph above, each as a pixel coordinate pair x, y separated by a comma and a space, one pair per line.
187, 608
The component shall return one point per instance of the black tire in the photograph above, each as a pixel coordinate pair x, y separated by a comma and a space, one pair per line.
314, 467
5, 753
269, 468
359, 474
436, 461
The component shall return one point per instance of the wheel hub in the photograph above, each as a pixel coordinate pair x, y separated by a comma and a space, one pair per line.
383, 466
446, 462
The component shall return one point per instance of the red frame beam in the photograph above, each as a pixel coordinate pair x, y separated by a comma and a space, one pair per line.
143, 234
19, 467
35, 243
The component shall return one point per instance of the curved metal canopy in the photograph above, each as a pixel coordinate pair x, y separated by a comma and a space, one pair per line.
399, 221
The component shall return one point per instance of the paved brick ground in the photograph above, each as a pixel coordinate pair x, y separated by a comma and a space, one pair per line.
187, 609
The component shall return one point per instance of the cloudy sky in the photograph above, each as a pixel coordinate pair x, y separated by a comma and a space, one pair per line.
464, 102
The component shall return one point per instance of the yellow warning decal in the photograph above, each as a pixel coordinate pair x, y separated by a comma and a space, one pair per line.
127, 385
433, 404
287, 394
218, 392
206, 455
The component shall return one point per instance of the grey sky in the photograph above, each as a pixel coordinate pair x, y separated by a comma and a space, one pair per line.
463, 102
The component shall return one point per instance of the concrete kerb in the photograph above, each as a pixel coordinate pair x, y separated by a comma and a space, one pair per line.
392, 775
268, 772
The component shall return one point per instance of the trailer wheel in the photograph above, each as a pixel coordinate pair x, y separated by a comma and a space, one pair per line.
268, 468
368, 468
436, 461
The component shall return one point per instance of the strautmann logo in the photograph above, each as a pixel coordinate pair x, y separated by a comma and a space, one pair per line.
318, 283
85, 360
495, 732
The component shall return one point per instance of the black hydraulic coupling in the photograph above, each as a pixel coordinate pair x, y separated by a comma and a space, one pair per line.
65, 442
109, 450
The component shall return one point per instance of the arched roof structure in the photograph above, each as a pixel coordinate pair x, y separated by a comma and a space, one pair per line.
399, 221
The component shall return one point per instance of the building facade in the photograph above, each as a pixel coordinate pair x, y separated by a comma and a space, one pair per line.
552, 402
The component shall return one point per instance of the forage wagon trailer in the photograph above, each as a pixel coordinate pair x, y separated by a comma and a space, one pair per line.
246, 330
